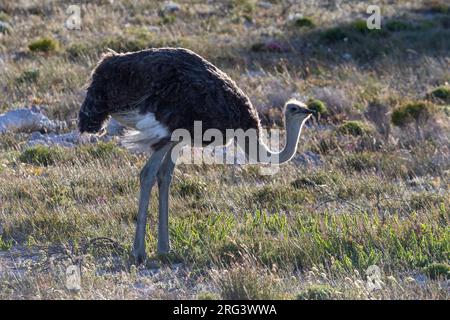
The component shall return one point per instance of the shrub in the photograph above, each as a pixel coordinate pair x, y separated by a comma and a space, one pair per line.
191, 188
396, 25
121, 44
318, 106
4, 16
304, 22
333, 35
360, 26
361, 161
441, 94
318, 178
438, 271
244, 6
438, 7
279, 197
101, 150
207, 296
354, 128
44, 45
167, 19
418, 112
31, 75
247, 280
41, 155
425, 200
77, 50
318, 292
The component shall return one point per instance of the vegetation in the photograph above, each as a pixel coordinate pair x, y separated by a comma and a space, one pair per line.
354, 128
40, 155
318, 292
44, 45
304, 22
441, 94
438, 270
318, 106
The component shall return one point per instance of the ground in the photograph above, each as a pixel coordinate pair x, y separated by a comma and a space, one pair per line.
362, 191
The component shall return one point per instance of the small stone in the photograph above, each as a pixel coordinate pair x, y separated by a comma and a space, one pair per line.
265, 5
154, 29
347, 56
171, 7
4, 27
295, 16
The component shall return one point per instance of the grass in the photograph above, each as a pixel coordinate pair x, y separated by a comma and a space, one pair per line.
378, 197
46, 45
441, 94
318, 292
354, 128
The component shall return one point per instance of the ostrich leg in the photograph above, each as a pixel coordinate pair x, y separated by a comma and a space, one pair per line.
165, 175
147, 179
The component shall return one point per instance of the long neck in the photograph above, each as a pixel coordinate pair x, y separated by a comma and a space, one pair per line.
265, 155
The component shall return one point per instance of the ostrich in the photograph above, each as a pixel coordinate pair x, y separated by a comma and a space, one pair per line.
157, 91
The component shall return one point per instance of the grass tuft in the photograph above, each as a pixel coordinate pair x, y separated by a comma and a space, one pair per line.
441, 94
354, 128
438, 271
41, 155
45, 45
318, 292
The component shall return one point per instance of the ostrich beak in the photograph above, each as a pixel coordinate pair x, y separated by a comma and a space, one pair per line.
309, 112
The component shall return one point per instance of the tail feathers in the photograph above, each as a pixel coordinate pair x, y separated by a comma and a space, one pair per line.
146, 133
140, 141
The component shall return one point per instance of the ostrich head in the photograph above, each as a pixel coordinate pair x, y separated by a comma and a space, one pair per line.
297, 111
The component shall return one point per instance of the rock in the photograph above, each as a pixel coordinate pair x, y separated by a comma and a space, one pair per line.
265, 4
420, 279
295, 16
171, 7
4, 27
154, 29
276, 46
347, 56
68, 140
28, 120
64, 140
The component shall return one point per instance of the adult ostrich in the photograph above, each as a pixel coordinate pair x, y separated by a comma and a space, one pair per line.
157, 91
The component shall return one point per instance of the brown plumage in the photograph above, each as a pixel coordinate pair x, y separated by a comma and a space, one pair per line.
176, 85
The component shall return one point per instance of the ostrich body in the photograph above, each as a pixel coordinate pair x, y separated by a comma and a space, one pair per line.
155, 92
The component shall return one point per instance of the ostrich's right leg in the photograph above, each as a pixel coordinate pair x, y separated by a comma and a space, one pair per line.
165, 174
147, 179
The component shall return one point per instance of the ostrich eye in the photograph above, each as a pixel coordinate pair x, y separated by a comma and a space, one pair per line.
293, 108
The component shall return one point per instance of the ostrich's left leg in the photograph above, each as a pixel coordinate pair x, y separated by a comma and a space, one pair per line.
165, 175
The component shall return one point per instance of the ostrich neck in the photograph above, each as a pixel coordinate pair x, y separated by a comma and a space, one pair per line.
265, 155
